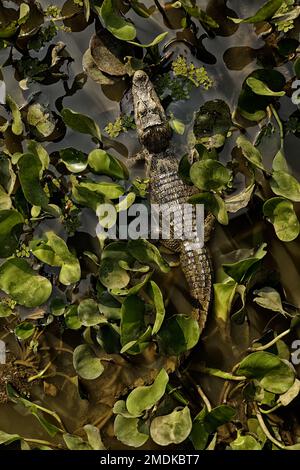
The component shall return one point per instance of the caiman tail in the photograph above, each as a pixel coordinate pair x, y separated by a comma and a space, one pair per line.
195, 264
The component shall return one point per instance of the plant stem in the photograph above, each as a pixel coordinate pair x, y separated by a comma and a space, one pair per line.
271, 343
221, 374
265, 429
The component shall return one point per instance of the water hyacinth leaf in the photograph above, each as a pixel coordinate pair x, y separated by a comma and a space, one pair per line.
55, 252
260, 88
57, 307
214, 204
250, 152
23, 284
109, 306
103, 163
109, 52
178, 334
86, 363
173, 428
245, 443
212, 123
279, 162
264, 13
6, 438
125, 202
88, 313
143, 398
24, 330
75, 160
104, 188
241, 270
92, 70
75, 442
9, 219
17, 125
134, 289
71, 318
112, 275
155, 41
126, 431
117, 25
81, 123
235, 203
120, 409
210, 175
205, 423
286, 398
132, 320
159, 307
39, 118
269, 298
280, 212
108, 336
223, 297
285, 185
37, 149
273, 374
196, 12
94, 437
147, 253
30, 170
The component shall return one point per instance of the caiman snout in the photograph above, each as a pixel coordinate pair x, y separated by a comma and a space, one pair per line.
152, 125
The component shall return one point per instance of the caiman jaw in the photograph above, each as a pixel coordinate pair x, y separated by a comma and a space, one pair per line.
152, 125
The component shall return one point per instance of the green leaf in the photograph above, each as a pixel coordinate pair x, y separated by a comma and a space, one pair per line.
9, 219
103, 188
223, 297
75, 442
212, 123
126, 431
119, 27
94, 437
147, 253
269, 298
177, 125
155, 41
37, 149
81, 123
206, 423
103, 163
273, 374
72, 318
24, 330
241, 270
6, 438
280, 212
286, 398
75, 160
55, 251
210, 175
197, 12
30, 170
173, 428
279, 162
178, 334
245, 443
17, 125
88, 313
86, 363
214, 204
159, 307
112, 275
24, 285
132, 320
285, 185
264, 13
250, 152
38, 117
234, 203
260, 88
143, 398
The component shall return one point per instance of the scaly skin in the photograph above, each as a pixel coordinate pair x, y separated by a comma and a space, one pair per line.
166, 187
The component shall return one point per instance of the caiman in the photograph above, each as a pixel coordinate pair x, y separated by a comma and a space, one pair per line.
167, 188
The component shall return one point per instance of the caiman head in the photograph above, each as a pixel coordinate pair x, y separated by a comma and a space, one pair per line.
152, 125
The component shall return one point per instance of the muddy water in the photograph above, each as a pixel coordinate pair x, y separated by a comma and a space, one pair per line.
246, 229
